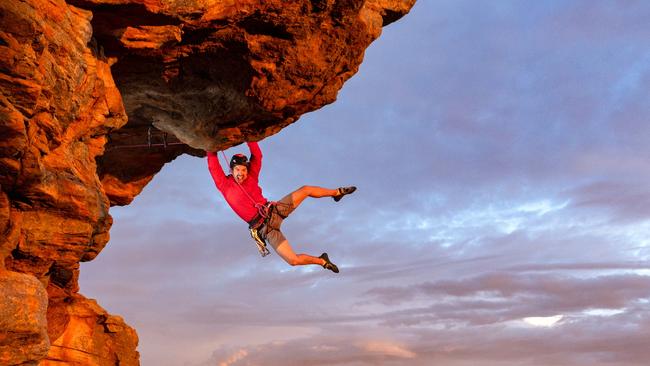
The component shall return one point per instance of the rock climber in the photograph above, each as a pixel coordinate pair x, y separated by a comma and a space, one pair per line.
244, 195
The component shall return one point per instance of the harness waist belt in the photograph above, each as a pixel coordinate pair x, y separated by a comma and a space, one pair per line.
260, 219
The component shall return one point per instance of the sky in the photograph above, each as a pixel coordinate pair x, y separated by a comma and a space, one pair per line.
502, 217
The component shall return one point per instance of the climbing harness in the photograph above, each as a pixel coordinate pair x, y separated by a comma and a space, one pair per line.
259, 221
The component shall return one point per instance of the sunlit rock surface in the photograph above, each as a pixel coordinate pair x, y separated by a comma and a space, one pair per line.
23, 324
84, 81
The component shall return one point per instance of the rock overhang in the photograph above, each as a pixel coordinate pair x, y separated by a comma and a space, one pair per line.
211, 76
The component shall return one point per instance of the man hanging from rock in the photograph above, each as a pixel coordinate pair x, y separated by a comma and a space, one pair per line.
244, 195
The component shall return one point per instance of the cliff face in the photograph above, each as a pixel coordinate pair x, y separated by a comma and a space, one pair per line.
190, 75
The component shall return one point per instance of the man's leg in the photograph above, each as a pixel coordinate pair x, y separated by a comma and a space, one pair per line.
303, 192
284, 250
291, 201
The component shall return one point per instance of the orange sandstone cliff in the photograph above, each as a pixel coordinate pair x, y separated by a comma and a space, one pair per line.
82, 79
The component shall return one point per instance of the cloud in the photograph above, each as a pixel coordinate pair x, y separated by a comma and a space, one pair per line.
575, 341
325, 350
235, 357
388, 349
502, 297
628, 202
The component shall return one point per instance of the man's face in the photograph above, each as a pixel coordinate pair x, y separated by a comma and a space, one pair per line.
240, 172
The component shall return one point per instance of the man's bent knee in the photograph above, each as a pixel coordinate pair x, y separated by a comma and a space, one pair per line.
306, 189
292, 261
284, 250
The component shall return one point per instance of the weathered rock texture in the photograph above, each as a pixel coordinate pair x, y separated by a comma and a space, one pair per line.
190, 75
23, 304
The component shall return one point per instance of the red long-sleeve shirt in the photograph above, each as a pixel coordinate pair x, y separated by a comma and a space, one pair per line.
236, 198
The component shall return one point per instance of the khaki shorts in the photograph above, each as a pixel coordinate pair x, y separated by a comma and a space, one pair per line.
271, 230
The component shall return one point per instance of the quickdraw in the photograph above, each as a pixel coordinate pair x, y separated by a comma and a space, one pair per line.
261, 243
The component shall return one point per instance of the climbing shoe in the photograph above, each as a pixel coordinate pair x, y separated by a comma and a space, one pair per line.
329, 265
343, 191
